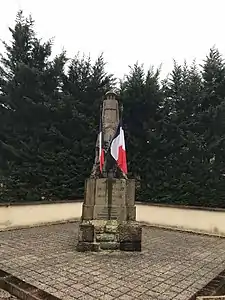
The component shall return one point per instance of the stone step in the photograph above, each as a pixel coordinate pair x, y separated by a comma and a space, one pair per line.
109, 245
105, 237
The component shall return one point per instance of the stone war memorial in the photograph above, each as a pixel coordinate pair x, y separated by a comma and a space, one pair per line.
108, 220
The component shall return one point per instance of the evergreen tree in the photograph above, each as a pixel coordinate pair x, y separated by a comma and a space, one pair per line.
175, 130
85, 86
183, 92
142, 98
29, 97
212, 125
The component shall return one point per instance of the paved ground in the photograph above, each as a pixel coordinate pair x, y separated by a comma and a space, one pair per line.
6, 296
172, 265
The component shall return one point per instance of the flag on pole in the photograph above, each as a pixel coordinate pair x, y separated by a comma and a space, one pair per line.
101, 150
118, 149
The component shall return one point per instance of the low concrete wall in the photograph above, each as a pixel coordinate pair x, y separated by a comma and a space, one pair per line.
14, 216
211, 298
208, 221
197, 220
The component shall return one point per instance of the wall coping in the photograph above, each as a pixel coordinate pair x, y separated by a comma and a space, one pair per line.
185, 207
44, 202
177, 206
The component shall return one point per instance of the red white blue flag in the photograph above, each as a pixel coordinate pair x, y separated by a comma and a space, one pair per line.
118, 149
101, 149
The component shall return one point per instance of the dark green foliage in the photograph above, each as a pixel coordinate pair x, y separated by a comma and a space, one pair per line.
84, 87
49, 118
142, 99
183, 164
175, 133
212, 125
29, 98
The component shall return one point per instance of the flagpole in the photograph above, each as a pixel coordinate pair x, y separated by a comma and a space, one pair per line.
100, 117
101, 142
121, 114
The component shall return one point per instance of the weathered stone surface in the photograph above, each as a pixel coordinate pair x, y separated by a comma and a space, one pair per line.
86, 233
101, 200
111, 223
131, 213
108, 205
110, 118
87, 212
130, 192
87, 246
119, 192
110, 245
130, 232
130, 246
105, 237
89, 197
111, 227
130, 236
101, 191
98, 204
99, 226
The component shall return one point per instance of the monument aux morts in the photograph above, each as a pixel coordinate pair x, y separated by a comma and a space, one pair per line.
108, 219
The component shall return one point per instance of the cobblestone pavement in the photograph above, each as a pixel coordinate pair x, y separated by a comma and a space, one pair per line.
172, 265
6, 296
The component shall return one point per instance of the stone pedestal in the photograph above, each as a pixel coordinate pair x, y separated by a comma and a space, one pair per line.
108, 219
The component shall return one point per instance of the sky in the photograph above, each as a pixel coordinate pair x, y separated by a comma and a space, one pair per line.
152, 32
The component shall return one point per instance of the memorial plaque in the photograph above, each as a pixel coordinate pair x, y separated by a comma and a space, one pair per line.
109, 213
119, 192
100, 198
101, 192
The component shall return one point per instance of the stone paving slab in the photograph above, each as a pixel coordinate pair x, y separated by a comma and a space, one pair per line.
172, 265
6, 296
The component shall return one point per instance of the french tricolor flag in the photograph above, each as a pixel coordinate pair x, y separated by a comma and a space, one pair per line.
118, 149
101, 150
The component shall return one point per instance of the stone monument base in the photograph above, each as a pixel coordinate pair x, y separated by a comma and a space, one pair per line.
108, 219
96, 235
